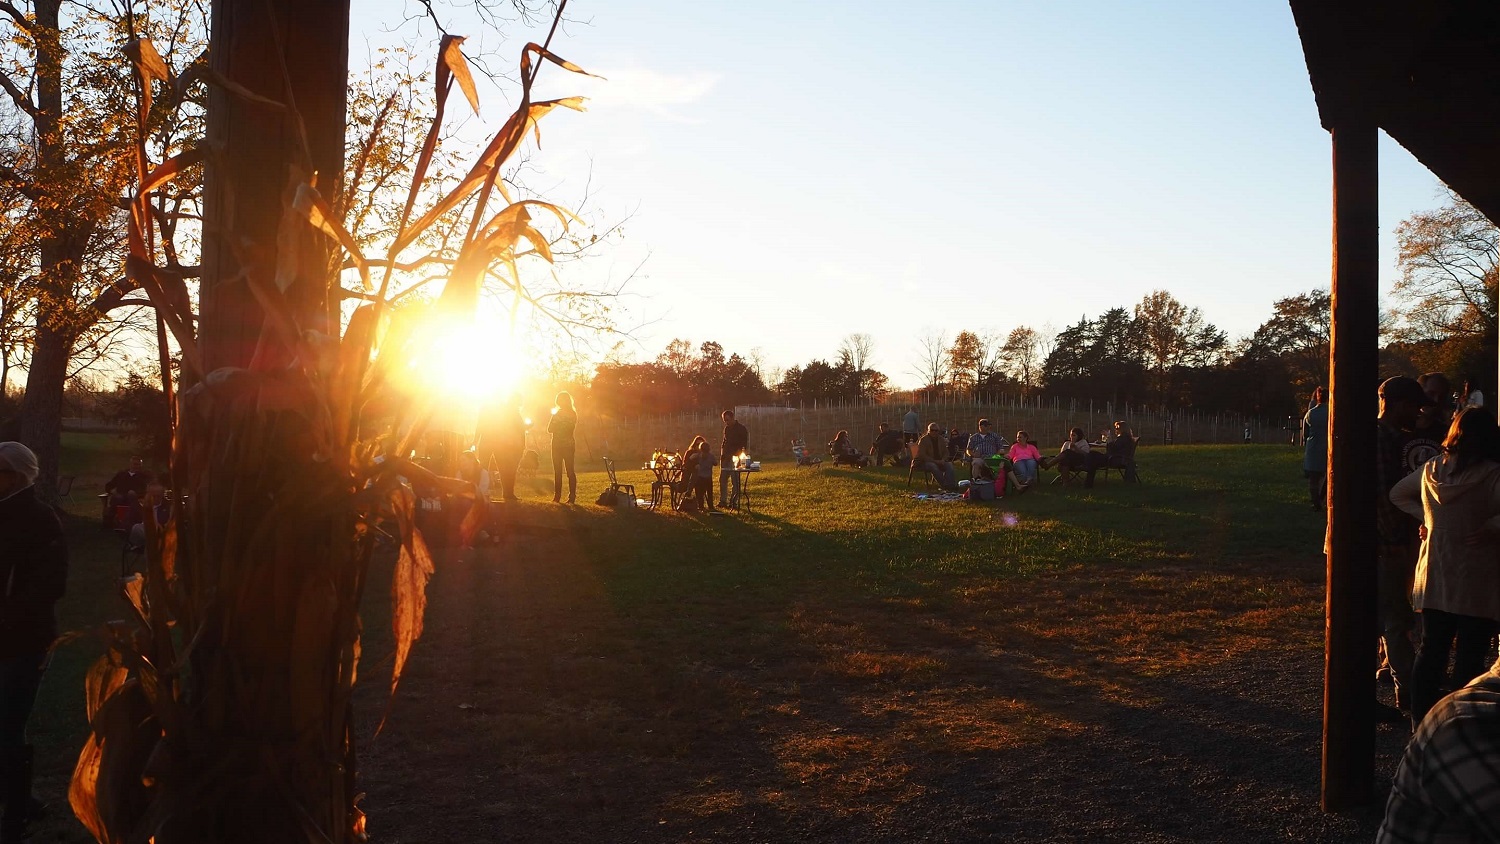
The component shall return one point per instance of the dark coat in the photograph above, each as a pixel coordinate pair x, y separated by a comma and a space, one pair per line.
736, 439
124, 482
33, 574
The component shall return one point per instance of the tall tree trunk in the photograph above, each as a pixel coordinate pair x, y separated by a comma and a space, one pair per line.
41, 409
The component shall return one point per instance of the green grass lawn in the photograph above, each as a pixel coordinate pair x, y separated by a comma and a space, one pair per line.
1131, 662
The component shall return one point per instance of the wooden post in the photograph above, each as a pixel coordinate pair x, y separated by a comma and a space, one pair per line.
294, 52
1349, 679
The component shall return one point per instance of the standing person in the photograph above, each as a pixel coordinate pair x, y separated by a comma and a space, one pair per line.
33, 577
1024, 455
1471, 396
736, 440
911, 426
1457, 582
1315, 450
562, 427
1401, 402
698, 471
1439, 414
502, 441
932, 452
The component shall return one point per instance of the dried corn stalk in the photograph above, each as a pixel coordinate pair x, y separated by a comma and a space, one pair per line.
223, 711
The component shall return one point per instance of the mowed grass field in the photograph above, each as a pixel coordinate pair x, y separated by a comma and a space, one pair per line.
1127, 663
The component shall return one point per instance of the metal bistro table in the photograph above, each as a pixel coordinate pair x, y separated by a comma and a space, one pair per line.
740, 501
667, 468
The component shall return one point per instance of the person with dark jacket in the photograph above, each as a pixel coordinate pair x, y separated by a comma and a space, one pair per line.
502, 441
563, 426
736, 440
887, 443
33, 577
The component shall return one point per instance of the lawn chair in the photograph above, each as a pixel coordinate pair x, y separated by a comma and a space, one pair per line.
617, 488
1124, 466
915, 465
65, 487
801, 455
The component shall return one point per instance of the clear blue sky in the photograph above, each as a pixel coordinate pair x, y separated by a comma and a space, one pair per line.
800, 171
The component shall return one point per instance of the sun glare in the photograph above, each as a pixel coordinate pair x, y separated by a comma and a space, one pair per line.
469, 363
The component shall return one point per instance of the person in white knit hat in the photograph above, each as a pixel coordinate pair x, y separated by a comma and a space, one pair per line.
33, 576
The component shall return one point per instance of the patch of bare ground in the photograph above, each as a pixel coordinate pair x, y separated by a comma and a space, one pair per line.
1114, 702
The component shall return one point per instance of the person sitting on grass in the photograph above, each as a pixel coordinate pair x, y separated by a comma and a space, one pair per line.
887, 443
844, 452
932, 456
1025, 457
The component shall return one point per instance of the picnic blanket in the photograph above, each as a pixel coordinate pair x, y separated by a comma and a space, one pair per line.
937, 496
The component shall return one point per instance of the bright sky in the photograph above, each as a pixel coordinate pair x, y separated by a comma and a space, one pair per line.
794, 172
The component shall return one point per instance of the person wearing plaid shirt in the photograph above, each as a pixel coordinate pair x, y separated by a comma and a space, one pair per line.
1447, 789
983, 445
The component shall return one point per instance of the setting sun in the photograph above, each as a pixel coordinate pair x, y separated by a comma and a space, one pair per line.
468, 362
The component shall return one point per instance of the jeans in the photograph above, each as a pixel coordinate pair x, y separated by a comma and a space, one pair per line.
506, 464
1439, 629
1397, 566
1026, 470
726, 476
20, 677
563, 455
941, 472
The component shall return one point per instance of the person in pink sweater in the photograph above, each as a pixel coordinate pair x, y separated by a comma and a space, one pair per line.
1024, 456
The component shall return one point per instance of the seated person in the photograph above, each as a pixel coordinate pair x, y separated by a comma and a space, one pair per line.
156, 500
844, 452
1072, 456
982, 446
1119, 453
887, 443
1025, 456
125, 490
957, 441
932, 456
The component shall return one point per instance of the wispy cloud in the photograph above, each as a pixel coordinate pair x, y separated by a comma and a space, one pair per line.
663, 94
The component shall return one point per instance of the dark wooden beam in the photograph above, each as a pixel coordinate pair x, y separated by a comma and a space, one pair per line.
294, 52
1349, 671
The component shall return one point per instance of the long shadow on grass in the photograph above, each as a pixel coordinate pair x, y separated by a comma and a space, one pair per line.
647, 676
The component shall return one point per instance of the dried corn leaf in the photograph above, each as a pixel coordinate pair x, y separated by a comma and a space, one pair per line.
103, 679
216, 78
500, 149
311, 205
148, 63
168, 170
453, 58
533, 47
409, 598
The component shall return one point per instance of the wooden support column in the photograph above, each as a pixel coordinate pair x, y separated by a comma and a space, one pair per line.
1349, 670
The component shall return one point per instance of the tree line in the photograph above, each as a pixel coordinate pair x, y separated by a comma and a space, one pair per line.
1441, 316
